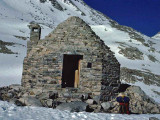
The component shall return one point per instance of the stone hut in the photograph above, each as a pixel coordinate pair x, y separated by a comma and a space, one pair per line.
72, 62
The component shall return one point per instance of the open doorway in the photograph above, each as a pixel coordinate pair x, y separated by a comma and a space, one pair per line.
71, 70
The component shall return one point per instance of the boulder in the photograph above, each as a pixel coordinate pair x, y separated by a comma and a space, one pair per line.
53, 95
37, 91
30, 101
153, 118
140, 102
43, 96
26, 94
90, 101
10, 95
15, 87
84, 96
47, 102
76, 106
96, 99
106, 105
19, 103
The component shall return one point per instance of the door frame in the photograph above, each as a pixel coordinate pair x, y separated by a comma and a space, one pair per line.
76, 73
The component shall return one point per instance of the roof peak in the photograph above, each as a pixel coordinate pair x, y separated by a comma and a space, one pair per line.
75, 20
73, 25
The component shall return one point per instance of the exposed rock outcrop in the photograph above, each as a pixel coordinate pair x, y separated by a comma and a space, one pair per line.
140, 103
4, 49
133, 75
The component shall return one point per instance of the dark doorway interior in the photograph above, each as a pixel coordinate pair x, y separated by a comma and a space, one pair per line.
70, 65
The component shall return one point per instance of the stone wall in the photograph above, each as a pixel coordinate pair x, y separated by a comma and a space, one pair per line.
44, 62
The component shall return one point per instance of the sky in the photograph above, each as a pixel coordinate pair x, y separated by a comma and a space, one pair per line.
142, 15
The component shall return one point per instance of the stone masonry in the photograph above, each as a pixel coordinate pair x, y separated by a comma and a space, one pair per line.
99, 70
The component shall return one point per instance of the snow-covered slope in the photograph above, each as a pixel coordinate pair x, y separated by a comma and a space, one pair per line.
12, 112
138, 54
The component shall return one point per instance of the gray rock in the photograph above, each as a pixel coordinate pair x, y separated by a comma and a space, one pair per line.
155, 110
19, 103
140, 102
67, 95
47, 102
73, 106
12, 101
137, 90
43, 96
84, 96
30, 101
53, 95
90, 101
134, 75
106, 105
9, 95
16, 87
96, 99
153, 118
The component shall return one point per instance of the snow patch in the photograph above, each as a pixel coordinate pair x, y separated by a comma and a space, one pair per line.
12, 112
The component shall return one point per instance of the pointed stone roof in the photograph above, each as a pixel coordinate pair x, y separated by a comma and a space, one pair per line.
73, 25
74, 20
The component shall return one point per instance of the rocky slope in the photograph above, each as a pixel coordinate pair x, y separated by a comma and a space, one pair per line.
138, 54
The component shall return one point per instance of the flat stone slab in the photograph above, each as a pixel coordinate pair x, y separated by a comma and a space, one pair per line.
76, 106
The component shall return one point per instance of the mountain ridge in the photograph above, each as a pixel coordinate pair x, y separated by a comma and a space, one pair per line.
156, 36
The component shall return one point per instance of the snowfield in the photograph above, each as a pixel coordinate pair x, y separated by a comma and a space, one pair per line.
12, 112
113, 37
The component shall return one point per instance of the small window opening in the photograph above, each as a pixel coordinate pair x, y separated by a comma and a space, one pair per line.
89, 65
35, 30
